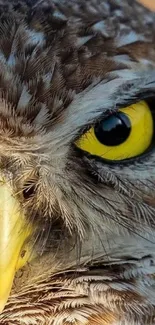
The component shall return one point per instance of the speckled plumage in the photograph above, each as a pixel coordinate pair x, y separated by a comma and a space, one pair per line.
63, 65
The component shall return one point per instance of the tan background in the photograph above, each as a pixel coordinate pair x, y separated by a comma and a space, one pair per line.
149, 3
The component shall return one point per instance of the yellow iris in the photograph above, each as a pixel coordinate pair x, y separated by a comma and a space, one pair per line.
136, 143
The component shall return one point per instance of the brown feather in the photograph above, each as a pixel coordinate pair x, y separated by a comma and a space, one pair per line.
63, 65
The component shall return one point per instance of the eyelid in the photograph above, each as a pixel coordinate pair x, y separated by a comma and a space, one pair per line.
119, 106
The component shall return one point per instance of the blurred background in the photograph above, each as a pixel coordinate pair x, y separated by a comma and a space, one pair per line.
148, 3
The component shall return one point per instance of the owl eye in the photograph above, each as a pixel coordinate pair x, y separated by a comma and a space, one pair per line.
125, 134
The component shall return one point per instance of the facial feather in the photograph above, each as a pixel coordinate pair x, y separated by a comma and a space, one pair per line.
63, 66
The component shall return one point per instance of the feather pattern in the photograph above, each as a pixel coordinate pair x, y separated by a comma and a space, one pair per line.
63, 66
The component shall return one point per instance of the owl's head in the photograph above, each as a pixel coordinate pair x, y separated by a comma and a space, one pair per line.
77, 85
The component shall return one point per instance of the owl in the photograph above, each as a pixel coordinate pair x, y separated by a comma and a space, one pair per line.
77, 162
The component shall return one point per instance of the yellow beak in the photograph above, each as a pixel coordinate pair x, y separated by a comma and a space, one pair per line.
14, 231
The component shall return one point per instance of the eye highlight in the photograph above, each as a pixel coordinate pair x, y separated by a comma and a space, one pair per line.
125, 134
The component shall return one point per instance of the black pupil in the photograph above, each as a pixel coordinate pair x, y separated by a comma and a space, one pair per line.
113, 130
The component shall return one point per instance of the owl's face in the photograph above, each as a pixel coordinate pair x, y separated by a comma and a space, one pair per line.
77, 84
